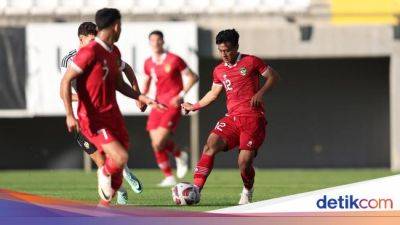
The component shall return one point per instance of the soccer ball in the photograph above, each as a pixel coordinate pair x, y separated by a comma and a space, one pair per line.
185, 194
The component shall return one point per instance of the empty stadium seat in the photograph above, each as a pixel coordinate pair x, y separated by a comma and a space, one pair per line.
44, 7
221, 6
170, 6
18, 7
70, 7
145, 6
195, 6
246, 6
91, 6
124, 6
296, 5
271, 6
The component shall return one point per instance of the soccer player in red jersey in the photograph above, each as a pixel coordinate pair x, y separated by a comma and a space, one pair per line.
87, 32
244, 124
96, 68
168, 70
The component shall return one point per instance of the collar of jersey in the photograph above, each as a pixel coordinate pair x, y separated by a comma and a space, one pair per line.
237, 60
103, 44
163, 56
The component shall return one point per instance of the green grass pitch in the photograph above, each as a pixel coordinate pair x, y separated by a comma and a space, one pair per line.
222, 188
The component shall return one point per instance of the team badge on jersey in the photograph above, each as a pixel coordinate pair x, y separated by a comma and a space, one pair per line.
167, 68
243, 71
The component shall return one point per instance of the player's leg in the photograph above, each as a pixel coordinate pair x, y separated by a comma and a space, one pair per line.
168, 123
130, 178
159, 138
90, 149
182, 161
223, 137
215, 144
99, 159
181, 157
252, 135
110, 175
162, 160
247, 172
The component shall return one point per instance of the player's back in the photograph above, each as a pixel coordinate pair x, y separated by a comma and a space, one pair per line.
241, 82
99, 65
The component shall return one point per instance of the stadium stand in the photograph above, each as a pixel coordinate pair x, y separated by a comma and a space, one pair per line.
84, 7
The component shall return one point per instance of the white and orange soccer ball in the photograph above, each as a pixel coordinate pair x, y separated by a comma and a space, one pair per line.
185, 194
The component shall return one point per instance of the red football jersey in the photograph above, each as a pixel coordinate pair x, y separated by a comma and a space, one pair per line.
100, 66
167, 76
241, 82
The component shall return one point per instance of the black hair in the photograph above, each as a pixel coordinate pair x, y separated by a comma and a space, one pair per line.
157, 32
87, 28
229, 35
106, 17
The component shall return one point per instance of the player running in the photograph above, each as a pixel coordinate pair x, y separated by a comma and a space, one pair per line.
168, 70
244, 124
86, 34
96, 68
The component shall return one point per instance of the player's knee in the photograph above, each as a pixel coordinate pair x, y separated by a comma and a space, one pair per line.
244, 163
157, 145
210, 148
121, 159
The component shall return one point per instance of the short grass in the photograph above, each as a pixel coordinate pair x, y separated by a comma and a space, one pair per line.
222, 188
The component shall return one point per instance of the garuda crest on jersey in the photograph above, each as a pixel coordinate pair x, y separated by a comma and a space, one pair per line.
243, 71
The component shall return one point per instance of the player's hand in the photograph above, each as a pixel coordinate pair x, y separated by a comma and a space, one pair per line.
153, 103
176, 101
141, 105
187, 107
72, 124
257, 100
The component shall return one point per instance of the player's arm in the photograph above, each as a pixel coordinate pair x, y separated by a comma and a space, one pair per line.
271, 77
63, 71
146, 85
147, 78
74, 97
66, 96
130, 74
211, 95
192, 79
129, 92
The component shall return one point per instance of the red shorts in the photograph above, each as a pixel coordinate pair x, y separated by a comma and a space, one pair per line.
247, 132
104, 130
168, 119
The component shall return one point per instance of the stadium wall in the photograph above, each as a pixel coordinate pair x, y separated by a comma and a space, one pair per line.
12, 68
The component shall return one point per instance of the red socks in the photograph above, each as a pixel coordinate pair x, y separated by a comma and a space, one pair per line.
248, 177
115, 172
163, 162
170, 147
203, 169
116, 181
110, 168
